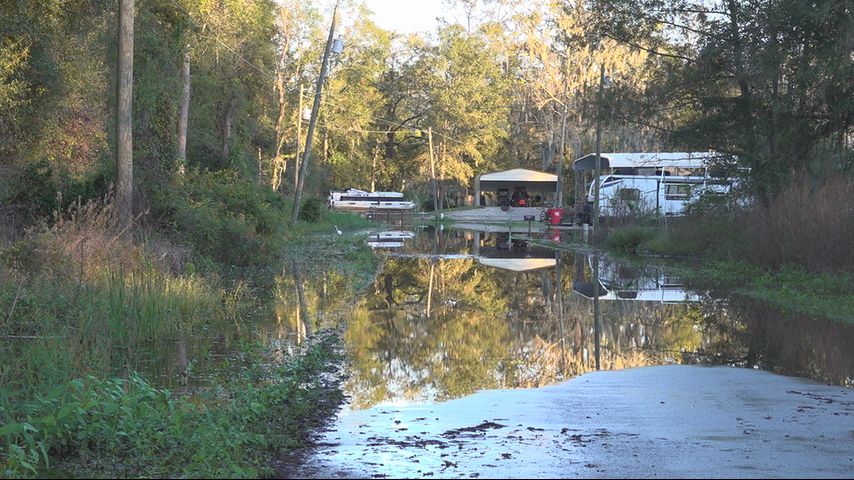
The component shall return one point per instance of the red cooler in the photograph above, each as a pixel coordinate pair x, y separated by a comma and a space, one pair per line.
555, 215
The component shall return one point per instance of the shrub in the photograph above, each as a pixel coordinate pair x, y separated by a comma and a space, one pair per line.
809, 225
224, 216
312, 210
630, 238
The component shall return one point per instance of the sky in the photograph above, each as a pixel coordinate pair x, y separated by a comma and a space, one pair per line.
408, 16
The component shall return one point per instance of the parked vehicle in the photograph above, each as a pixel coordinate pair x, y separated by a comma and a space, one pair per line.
653, 182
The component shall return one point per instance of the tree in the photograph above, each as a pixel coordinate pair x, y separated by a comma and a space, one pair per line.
763, 80
124, 114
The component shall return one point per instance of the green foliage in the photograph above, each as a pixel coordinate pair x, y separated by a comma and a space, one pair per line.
224, 433
47, 192
628, 239
789, 288
312, 209
766, 81
227, 217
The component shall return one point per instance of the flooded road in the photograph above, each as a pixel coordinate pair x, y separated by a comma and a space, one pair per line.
464, 358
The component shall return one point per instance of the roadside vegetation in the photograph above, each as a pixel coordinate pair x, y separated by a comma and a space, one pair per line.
89, 306
104, 274
795, 252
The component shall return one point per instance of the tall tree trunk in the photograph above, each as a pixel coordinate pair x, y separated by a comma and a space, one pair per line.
184, 113
279, 166
226, 128
124, 114
299, 139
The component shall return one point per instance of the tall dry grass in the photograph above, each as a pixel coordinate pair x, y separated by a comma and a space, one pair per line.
807, 225
81, 296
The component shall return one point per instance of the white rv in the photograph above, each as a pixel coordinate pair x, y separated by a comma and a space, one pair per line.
652, 182
354, 199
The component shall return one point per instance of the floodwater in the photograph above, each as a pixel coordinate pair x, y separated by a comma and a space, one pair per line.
467, 357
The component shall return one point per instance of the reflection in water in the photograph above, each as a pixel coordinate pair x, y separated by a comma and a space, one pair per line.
456, 312
389, 239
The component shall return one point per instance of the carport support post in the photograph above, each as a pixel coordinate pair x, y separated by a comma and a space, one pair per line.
433, 175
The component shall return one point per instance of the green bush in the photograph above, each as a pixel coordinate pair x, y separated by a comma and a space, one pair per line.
44, 191
630, 238
224, 216
127, 427
312, 210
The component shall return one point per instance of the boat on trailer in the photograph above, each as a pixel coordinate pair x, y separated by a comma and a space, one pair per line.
354, 199
631, 183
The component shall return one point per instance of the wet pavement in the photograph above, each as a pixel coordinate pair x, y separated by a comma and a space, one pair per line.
671, 421
476, 354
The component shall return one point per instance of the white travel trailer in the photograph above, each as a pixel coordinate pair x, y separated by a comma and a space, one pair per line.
354, 199
652, 182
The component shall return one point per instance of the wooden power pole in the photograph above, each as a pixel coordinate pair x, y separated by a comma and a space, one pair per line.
436, 209
313, 122
562, 138
597, 166
184, 111
124, 115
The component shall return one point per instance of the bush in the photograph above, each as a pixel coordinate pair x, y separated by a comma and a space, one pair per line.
228, 218
809, 225
127, 427
630, 238
312, 210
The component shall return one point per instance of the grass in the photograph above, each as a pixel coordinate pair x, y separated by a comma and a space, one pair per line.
792, 284
791, 289
83, 308
126, 427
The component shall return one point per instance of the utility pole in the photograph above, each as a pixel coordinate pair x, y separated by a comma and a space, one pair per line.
313, 122
433, 175
562, 139
299, 138
124, 115
598, 152
597, 313
184, 111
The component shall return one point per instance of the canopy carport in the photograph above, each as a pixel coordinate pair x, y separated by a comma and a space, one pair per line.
531, 181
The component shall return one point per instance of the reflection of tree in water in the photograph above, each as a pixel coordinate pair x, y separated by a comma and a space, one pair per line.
795, 344
399, 352
305, 301
492, 328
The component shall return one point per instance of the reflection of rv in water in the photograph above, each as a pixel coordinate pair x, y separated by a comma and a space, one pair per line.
390, 239
621, 283
653, 182
354, 199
